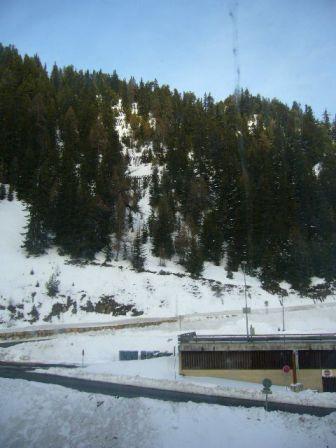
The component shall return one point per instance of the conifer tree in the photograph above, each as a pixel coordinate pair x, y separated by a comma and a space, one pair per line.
138, 258
10, 195
181, 244
194, 259
212, 238
52, 285
2, 192
162, 227
68, 213
108, 252
37, 239
154, 187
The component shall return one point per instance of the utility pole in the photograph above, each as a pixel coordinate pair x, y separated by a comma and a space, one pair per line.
179, 318
282, 302
245, 309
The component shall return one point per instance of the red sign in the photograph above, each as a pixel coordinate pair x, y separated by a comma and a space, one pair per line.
286, 369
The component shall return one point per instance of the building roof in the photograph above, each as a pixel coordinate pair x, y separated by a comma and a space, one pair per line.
194, 342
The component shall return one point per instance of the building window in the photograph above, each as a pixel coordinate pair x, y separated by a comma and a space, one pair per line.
258, 359
317, 359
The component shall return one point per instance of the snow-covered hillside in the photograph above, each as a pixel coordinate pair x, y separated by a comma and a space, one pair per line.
159, 291
102, 292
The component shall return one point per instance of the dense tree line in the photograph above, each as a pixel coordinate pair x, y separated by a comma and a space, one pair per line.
246, 178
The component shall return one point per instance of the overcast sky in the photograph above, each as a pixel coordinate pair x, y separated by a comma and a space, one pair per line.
287, 48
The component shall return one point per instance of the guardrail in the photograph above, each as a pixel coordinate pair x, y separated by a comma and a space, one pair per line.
190, 337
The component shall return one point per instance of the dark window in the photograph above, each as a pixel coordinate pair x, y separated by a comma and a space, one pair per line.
329, 384
317, 359
262, 359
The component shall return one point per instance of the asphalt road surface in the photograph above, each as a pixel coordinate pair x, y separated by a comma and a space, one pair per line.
26, 371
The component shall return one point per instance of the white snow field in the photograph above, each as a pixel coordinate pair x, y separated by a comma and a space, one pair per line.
101, 362
38, 415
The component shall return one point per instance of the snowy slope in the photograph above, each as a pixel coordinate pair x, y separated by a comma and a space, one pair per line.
159, 291
23, 282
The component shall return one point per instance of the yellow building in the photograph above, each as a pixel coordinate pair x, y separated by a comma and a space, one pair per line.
285, 359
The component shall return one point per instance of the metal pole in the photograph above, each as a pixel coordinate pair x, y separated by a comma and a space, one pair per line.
283, 315
246, 316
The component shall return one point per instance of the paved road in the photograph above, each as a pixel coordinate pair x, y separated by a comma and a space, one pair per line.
26, 371
21, 341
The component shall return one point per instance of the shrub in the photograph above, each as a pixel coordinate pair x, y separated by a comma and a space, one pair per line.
52, 285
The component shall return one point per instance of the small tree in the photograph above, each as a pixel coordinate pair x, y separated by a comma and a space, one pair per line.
144, 237
2, 192
52, 285
138, 258
10, 195
35, 315
108, 253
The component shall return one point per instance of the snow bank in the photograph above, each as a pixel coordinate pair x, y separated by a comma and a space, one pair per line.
306, 397
35, 415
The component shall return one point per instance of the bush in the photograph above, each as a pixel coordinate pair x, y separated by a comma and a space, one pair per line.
35, 315
52, 285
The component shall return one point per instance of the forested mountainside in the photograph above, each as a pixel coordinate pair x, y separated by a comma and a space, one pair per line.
243, 179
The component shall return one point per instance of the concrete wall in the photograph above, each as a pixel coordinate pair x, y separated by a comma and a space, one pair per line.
41, 332
310, 378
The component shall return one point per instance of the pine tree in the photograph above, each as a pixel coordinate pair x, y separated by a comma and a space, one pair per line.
181, 243
68, 212
119, 224
162, 227
194, 259
138, 258
154, 187
2, 192
212, 238
108, 253
333, 130
144, 233
52, 285
36, 238
10, 195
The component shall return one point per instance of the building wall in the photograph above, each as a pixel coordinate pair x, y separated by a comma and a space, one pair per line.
310, 378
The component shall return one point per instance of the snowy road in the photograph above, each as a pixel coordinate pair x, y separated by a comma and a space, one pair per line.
47, 330
24, 371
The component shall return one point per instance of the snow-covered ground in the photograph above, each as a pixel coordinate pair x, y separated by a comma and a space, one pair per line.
101, 361
23, 282
39, 415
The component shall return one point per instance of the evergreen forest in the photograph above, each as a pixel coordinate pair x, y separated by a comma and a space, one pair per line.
243, 180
